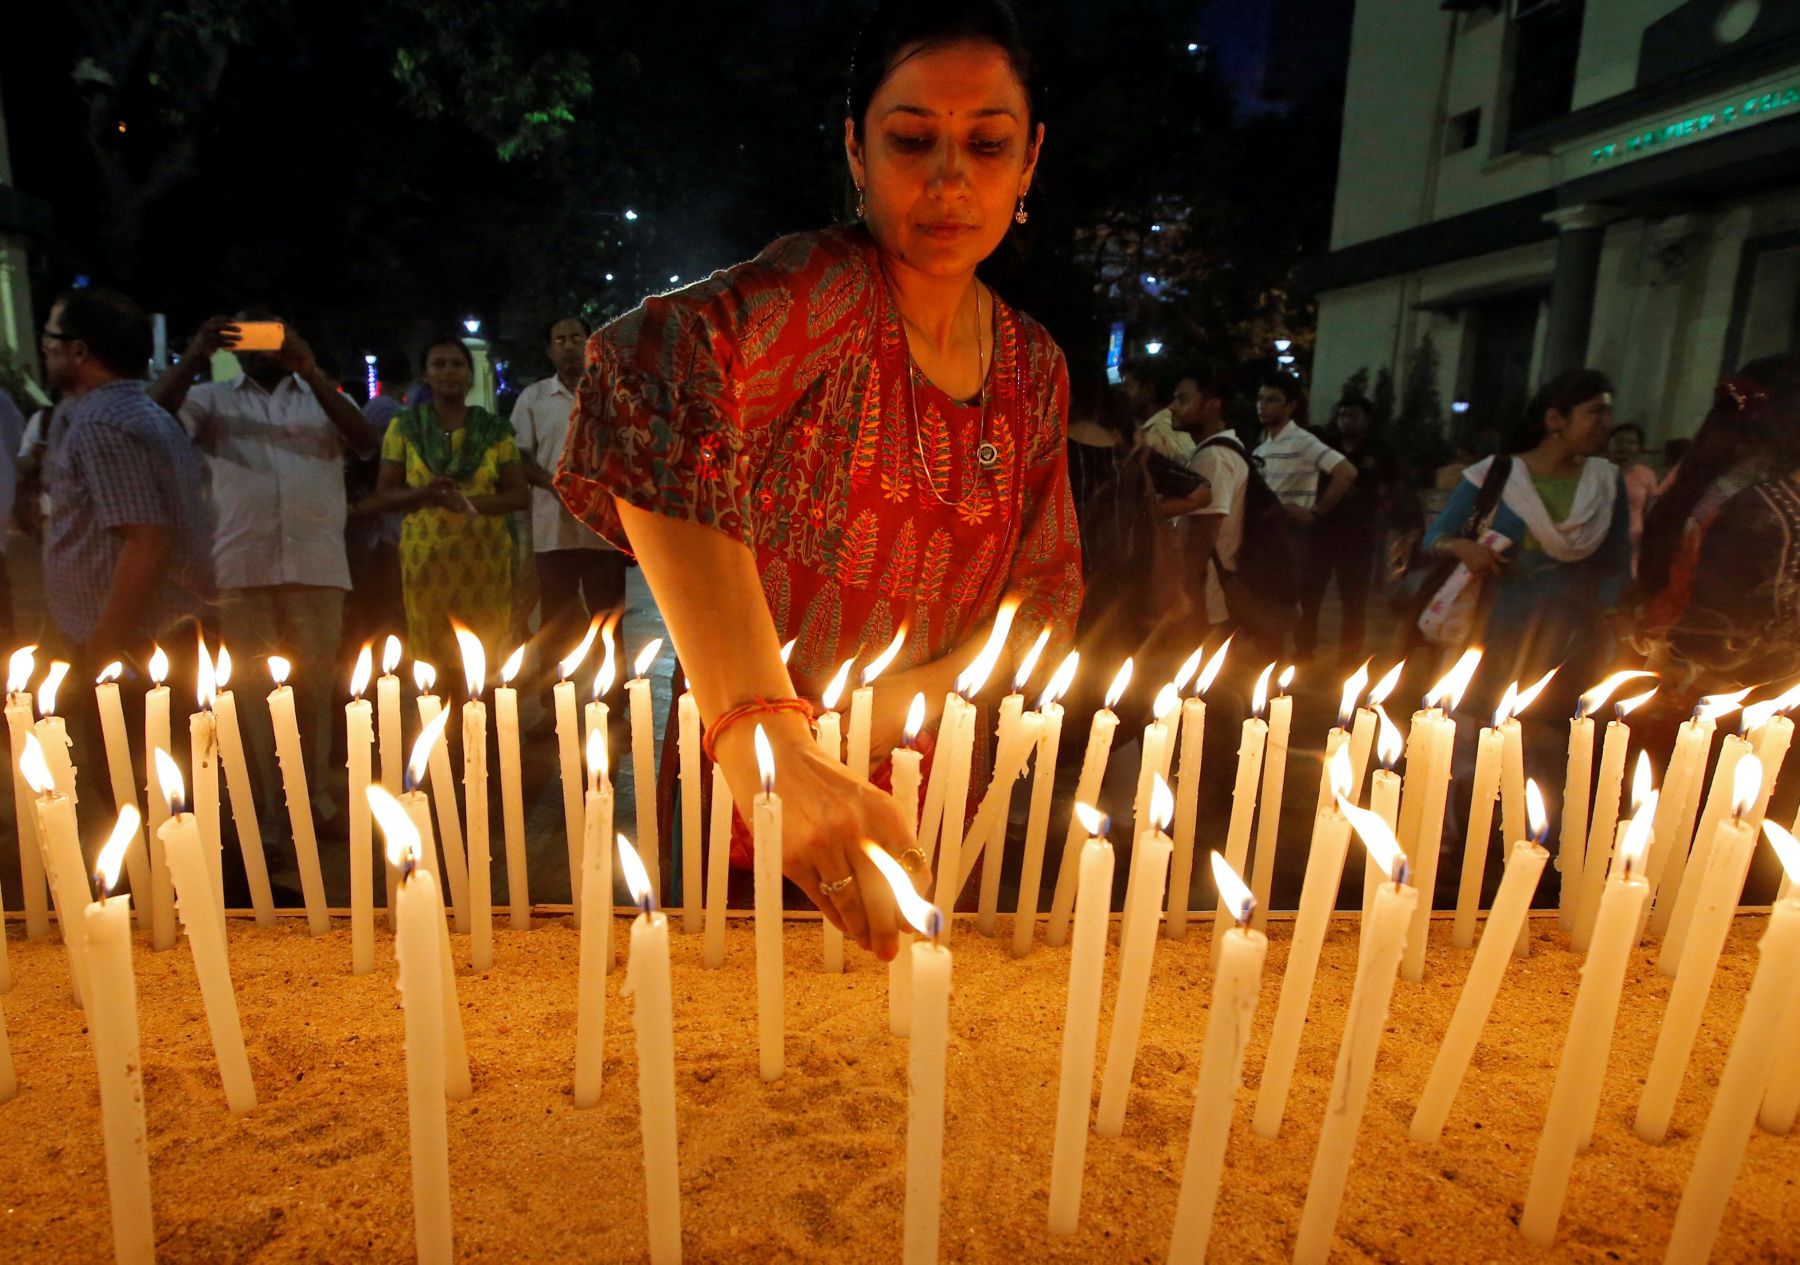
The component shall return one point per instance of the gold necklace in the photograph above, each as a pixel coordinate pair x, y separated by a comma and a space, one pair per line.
987, 455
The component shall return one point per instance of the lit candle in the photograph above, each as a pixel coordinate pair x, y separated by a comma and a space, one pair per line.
419, 952
1318, 897
831, 746
1512, 760
1018, 739
1156, 738
1771, 733
455, 874
1719, 884
118, 770
643, 761
31, 854
693, 839
299, 803
1367, 1018
512, 811
568, 758
1087, 791
1339, 735
1439, 727
926, 1056
959, 750
62, 859
390, 736
1043, 787
458, 1084
1675, 824
1749, 1067
113, 1029
53, 732
1678, 903
595, 721
595, 957
1243, 799
862, 705
905, 762
1364, 732
1268, 810
1524, 867
475, 800
1384, 802
653, 1016
1575, 1099
1577, 783
203, 762
1187, 796
156, 738
243, 800
1081, 1021
205, 936
718, 869
1597, 853
766, 838
1490, 747
359, 738
1236, 988
1137, 946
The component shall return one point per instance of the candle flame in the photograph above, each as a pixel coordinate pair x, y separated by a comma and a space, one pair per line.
112, 856
510, 668
603, 679
787, 651
1537, 819
206, 681
566, 666
1354, 685
1529, 694
976, 674
915, 720
159, 665
474, 657
1210, 672
19, 667
1625, 706
365, 667
1095, 822
919, 912
1189, 666
1168, 698
279, 669
1714, 707
1643, 782
1121, 679
1234, 893
1338, 767
765, 761
1061, 680
1384, 850
403, 842
1259, 698
609, 654
222, 669
34, 767
1746, 785
53, 679
1638, 835
880, 662
1509, 703
1285, 679
1389, 745
390, 655
597, 764
1162, 802
646, 657
111, 672
1386, 684
1029, 663
1595, 699
424, 676
429, 737
168, 777
835, 690
1448, 692
637, 878
1762, 713
1787, 849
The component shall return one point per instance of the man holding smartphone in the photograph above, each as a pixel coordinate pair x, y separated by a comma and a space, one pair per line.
274, 437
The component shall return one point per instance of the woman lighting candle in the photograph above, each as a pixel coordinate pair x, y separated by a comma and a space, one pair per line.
653, 1017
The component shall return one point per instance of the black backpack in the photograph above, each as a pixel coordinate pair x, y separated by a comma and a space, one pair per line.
1266, 558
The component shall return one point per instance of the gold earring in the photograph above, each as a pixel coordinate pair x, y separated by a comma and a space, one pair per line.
1021, 214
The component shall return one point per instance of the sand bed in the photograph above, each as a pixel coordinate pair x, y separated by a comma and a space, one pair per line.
811, 1167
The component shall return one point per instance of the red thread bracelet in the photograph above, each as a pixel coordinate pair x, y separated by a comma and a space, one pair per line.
755, 707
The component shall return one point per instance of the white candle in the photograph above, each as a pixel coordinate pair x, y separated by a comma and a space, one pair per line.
595, 956
1578, 779
1771, 739
991, 823
693, 838
1384, 802
1187, 812
1717, 887
956, 750
1489, 751
390, 736
1755, 1049
643, 763
766, 837
1243, 799
1236, 989
1364, 733
927, 1051
1575, 1099
118, 771
113, 1029
455, 874
1339, 736
1136, 950
1087, 791
31, 856
1597, 855
475, 800
862, 708
1158, 735
359, 739
1675, 822
62, 859
1677, 900
243, 799
1318, 897
203, 761
1367, 1018
568, 759
831, 746
1081, 1022
595, 719
718, 869
653, 1017
906, 762
206, 938
458, 1084
1037, 822
299, 802
1524, 867
156, 738
419, 950
1512, 763
1434, 734
1268, 809
512, 812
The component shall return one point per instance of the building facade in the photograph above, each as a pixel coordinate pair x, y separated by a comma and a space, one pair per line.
1539, 184
22, 218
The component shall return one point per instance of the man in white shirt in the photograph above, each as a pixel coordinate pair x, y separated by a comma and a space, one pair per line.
1293, 460
579, 574
1214, 513
274, 439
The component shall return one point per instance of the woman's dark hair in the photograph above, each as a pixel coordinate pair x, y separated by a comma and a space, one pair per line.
115, 329
447, 340
1755, 413
1565, 393
897, 30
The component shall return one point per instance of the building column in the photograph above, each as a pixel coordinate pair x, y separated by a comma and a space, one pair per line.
1581, 232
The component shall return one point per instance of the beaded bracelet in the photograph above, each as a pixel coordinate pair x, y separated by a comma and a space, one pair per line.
755, 707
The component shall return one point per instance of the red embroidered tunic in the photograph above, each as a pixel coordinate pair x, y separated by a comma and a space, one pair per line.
777, 402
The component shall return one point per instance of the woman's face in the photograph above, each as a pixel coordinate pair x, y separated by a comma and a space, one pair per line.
447, 373
1583, 428
945, 156
1623, 447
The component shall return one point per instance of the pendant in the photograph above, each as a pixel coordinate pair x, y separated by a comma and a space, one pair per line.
987, 456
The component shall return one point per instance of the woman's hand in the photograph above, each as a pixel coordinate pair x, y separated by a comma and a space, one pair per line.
1481, 561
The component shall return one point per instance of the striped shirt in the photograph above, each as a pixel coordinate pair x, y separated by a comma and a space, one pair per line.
1292, 459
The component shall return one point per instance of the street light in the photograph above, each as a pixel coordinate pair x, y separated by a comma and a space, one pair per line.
472, 324
1282, 344
609, 276
1153, 348
1459, 407
630, 214
674, 278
